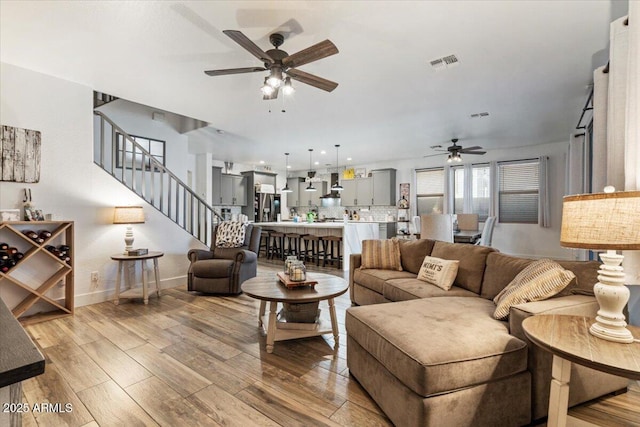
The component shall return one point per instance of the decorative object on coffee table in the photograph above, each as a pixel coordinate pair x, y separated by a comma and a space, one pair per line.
607, 221
128, 215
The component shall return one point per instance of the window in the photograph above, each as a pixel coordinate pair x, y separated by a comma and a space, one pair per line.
477, 178
518, 191
155, 147
430, 191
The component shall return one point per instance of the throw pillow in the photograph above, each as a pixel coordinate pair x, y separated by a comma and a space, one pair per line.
538, 281
439, 272
381, 254
230, 234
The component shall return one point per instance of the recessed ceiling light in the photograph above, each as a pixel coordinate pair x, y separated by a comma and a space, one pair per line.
349, 159
323, 152
262, 162
288, 166
316, 163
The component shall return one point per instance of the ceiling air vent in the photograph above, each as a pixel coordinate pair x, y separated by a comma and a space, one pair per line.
478, 115
444, 62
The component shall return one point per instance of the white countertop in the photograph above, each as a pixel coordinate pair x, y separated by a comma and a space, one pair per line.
327, 224
300, 224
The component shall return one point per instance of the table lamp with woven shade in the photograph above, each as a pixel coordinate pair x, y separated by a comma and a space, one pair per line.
605, 221
128, 215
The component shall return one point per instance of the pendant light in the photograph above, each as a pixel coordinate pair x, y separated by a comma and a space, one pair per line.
337, 186
311, 174
286, 188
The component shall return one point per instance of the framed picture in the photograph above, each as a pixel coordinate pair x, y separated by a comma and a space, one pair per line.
348, 173
9, 215
361, 173
31, 214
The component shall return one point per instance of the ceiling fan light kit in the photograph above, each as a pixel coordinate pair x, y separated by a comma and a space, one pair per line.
281, 65
455, 150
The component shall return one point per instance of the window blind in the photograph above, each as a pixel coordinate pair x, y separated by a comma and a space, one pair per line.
430, 191
518, 191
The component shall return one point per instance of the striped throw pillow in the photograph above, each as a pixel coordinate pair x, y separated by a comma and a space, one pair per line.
381, 254
538, 281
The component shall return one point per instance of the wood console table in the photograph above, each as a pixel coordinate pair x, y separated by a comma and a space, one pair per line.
569, 340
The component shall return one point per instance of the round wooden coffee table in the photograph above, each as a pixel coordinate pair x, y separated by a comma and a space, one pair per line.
270, 289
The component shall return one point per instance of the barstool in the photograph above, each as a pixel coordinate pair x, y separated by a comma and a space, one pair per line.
332, 255
276, 245
265, 237
293, 243
312, 250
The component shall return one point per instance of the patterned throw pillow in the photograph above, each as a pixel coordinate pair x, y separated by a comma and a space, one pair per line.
230, 234
381, 254
439, 272
538, 281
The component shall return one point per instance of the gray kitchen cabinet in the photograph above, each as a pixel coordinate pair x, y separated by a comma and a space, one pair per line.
216, 183
312, 198
384, 187
229, 190
239, 185
293, 198
357, 192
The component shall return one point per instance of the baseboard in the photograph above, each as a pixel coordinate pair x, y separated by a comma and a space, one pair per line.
107, 294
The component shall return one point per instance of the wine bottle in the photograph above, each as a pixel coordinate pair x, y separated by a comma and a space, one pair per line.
4, 255
4, 246
11, 250
3, 267
50, 248
18, 256
31, 234
44, 234
64, 248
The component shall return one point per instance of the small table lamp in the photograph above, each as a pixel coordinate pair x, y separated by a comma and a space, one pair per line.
605, 221
128, 215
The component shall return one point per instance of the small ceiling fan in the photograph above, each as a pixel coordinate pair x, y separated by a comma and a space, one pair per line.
455, 150
282, 67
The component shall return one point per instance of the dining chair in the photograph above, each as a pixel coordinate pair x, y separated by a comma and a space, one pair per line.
487, 232
468, 222
436, 227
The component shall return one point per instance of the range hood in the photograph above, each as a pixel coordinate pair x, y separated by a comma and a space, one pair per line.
332, 194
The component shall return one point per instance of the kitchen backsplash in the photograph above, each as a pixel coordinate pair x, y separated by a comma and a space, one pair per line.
378, 213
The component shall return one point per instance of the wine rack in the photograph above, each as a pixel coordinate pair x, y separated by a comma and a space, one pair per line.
38, 259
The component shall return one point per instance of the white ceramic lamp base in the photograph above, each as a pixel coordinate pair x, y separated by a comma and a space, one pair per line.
612, 296
128, 239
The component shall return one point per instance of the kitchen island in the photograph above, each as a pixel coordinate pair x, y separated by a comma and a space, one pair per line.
352, 233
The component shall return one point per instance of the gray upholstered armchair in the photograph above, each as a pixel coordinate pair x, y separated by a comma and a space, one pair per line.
222, 270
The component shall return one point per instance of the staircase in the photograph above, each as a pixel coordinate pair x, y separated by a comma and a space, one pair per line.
128, 162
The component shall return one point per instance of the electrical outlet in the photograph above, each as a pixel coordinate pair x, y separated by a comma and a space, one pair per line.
94, 277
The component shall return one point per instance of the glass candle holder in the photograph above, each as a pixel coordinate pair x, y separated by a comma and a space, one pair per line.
298, 272
287, 263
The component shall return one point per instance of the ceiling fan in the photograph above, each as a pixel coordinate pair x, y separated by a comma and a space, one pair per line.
280, 64
455, 150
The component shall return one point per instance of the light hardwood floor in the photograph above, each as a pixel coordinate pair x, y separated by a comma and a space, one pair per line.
190, 360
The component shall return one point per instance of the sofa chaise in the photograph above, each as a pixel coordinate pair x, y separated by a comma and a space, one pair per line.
434, 357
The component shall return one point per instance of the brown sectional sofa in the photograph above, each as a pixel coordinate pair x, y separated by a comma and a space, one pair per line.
431, 357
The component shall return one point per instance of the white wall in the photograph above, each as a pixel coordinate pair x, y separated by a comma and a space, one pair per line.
73, 188
528, 240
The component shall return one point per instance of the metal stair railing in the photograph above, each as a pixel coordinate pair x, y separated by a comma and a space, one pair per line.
127, 161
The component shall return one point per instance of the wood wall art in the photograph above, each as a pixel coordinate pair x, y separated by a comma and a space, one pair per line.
19, 154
